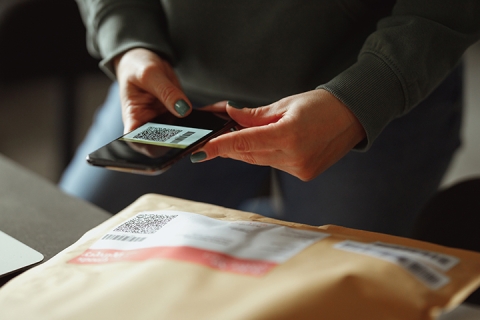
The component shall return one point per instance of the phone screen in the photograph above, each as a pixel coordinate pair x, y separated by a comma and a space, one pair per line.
153, 147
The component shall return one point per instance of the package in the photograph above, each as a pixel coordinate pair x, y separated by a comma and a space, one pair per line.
167, 258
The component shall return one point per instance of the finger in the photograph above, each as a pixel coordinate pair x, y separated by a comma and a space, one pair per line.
168, 93
220, 107
274, 158
138, 108
253, 117
236, 144
150, 74
262, 158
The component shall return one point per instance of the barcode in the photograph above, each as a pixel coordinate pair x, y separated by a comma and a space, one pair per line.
119, 237
145, 223
183, 137
440, 260
422, 272
427, 275
157, 134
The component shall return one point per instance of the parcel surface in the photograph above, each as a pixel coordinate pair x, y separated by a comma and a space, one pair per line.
166, 258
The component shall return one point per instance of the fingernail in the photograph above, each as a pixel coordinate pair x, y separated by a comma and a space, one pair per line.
198, 156
235, 105
182, 107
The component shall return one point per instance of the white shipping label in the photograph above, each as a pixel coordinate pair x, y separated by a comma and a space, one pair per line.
438, 260
245, 247
427, 275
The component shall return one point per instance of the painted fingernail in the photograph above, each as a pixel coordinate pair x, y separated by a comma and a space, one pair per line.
182, 107
198, 156
235, 105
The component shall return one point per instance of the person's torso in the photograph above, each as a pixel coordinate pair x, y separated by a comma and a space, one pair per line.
261, 51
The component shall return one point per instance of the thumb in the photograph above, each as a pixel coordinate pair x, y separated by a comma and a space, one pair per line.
170, 95
252, 117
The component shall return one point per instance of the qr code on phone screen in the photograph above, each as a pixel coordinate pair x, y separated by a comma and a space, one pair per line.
157, 134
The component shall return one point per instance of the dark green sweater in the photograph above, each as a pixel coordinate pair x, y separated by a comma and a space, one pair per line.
379, 57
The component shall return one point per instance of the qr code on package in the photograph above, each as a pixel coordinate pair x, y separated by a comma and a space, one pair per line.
145, 223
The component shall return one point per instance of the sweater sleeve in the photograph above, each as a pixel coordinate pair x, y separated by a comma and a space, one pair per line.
402, 62
115, 26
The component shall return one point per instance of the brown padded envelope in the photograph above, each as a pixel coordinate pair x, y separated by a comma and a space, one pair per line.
320, 282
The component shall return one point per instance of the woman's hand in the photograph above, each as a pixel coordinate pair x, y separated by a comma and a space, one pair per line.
148, 87
302, 134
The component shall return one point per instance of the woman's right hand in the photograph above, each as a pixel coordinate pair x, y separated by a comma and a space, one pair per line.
148, 87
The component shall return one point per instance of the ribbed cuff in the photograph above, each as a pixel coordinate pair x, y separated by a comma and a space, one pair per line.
122, 30
372, 91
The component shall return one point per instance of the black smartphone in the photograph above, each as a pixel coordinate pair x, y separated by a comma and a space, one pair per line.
154, 147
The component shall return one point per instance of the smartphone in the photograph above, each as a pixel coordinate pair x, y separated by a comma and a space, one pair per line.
154, 147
